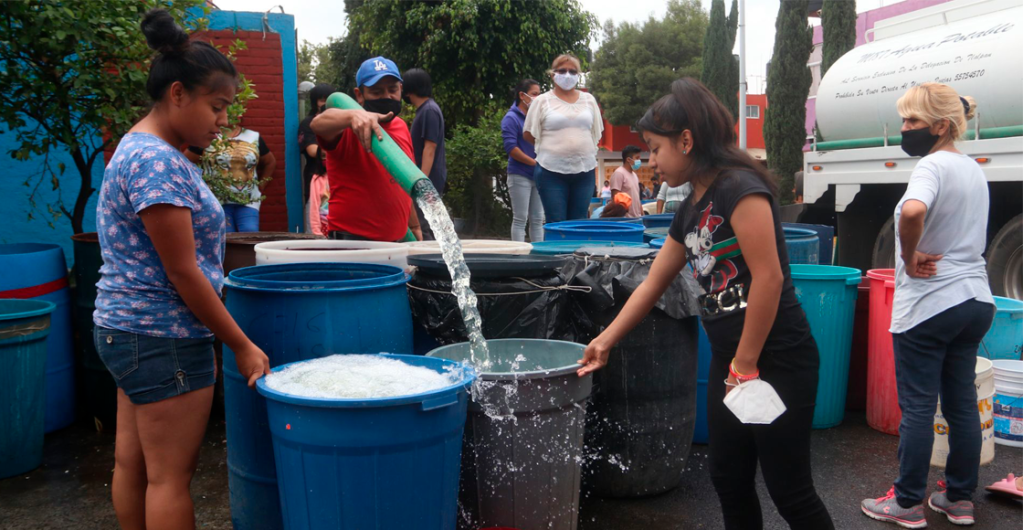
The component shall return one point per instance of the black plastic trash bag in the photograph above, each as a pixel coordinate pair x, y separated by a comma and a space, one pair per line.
523, 297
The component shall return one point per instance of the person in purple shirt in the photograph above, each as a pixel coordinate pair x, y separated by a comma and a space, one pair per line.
521, 162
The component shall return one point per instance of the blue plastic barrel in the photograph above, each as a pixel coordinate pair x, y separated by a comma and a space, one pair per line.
561, 248
658, 220
1005, 338
700, 433
295, 312
803, 245
37, 271
24, 327
828, 296
355, 464
655, 233
657, 243
825, 237
594, 231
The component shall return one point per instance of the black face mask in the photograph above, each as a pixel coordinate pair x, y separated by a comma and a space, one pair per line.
383, 106
918, 142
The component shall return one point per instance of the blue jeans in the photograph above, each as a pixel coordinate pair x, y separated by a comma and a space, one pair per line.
151, 369
564, 197
241, 218
939, 357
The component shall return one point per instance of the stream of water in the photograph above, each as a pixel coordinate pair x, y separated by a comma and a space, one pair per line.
451, 249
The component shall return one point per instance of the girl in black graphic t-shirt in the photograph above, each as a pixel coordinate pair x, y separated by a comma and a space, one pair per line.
729, 232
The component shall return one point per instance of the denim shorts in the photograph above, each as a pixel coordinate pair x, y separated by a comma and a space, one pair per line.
151, 369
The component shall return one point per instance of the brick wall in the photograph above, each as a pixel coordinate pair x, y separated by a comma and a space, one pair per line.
261, 64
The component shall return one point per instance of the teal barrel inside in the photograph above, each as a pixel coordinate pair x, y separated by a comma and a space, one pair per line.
521, 465
1005, 338
24, 328
356, 464
594, 231
38, 271
803, 246
295, 312
828, 296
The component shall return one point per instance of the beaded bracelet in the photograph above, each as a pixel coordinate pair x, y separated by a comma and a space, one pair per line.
741, 377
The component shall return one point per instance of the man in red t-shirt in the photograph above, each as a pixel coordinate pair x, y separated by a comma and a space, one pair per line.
365, 202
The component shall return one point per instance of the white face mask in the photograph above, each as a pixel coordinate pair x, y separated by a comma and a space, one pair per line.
566, 81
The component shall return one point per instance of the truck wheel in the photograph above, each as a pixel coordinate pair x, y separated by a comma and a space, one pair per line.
1005, 260
884, 246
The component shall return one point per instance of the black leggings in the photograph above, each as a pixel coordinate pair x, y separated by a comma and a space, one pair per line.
782, 448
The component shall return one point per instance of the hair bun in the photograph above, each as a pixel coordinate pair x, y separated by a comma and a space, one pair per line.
969, 106
162, 33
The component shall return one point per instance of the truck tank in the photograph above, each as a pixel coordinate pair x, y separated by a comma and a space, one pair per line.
980, 56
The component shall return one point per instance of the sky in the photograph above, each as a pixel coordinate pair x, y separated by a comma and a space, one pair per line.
318, 20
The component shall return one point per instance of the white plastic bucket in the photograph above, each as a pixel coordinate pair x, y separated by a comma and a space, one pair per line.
1008, 402
984, 381
472, 246
332, 251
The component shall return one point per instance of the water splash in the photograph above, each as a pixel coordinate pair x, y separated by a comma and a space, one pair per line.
451, 249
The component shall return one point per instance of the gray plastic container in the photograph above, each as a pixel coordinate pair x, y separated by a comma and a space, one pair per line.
523, 445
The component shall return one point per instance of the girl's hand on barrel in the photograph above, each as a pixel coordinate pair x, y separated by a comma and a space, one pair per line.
252, 363
594, 358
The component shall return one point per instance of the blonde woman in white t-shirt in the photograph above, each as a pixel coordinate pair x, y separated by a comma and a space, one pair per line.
565, 125
942, 308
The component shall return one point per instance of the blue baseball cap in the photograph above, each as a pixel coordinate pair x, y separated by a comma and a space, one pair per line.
375, 69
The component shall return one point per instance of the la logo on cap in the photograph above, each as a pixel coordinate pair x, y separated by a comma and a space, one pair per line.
379, 65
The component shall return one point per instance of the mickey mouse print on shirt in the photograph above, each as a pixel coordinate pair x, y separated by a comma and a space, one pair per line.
709, 259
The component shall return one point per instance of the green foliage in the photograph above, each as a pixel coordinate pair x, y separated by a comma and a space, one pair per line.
788, 83
720, 69
636, 64
306, 55
314, 62
73, 78
474, 50
343, 56
838, 22
477, 183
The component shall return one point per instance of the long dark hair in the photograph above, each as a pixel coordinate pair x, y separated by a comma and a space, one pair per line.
193, 63
318, 92
523, 86
691, 106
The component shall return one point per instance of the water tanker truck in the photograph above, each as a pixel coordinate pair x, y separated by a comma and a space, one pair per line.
856, 173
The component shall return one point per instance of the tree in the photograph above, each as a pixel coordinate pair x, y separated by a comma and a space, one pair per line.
788, 83
636, 64
474, 50
838, 22
345, 55
74, 79
720, 70
306, 61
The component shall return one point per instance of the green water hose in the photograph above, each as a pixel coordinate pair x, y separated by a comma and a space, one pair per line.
395, 161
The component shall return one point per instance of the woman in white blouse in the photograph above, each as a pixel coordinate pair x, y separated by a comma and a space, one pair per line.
565, 126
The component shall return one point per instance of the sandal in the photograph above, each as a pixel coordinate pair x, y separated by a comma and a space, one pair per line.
1007, 486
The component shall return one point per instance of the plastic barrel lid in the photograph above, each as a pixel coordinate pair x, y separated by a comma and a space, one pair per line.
493, 265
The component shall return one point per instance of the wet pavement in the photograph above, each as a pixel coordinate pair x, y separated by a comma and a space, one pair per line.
851, 462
